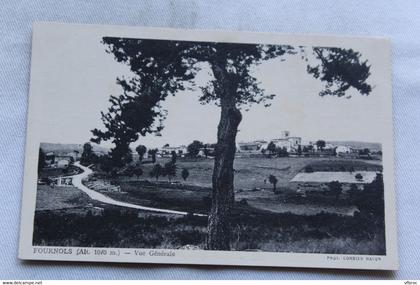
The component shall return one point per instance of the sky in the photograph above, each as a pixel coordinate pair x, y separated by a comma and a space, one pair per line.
82, 76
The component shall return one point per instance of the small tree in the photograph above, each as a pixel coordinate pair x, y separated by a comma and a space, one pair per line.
299, 150
152, 153
194, 148
273, 180
185, 173
156, 171
271, 148
138, 171
354, 192
173, 156
335, 189
106, 163
206, 151
87, 154
169, 170
358, 176
364, 151
141, 150
320, 144
282, 152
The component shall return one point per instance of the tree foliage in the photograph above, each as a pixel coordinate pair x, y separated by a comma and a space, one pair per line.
141, 150
194, 148
185, 173
340, 69
320, 144
169, 170
273, 180
335, 189
156, 171
165, 67
88, 156
152, 153
271, 147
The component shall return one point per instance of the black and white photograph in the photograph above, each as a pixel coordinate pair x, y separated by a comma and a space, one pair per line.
208, 147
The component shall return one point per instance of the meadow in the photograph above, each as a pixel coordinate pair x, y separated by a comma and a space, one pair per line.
262, 220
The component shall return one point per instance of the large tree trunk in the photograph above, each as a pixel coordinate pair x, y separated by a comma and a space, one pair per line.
219, 229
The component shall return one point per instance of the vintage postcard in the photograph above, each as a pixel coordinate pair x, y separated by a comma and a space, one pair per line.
157, 145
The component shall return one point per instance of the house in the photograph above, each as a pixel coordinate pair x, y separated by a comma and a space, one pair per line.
166, 151
63, 161
291, 144
346, 151
206, 152
74, 154
250, 147
49, 158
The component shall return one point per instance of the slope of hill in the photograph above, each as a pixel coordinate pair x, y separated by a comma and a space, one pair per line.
63, 148
358, 144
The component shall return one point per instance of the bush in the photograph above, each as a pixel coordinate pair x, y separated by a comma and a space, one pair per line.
308, 169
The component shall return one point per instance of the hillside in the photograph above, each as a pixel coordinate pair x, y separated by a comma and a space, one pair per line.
60, 148
358, 144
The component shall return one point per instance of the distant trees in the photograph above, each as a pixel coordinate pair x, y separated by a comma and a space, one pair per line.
371, 200
173, 157
194, 148
282, 152
273, 180
271, 148
364, 151
320, 144
299, 150
105, 163
41, 160
307, 148
121, 156
141, 150
88, 157
156, 171
169, 170
185, 173
206, 151
152, 153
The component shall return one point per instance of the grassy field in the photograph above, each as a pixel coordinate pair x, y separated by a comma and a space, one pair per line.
60, 197
251, 184
251, 173
252, 231
261, 221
